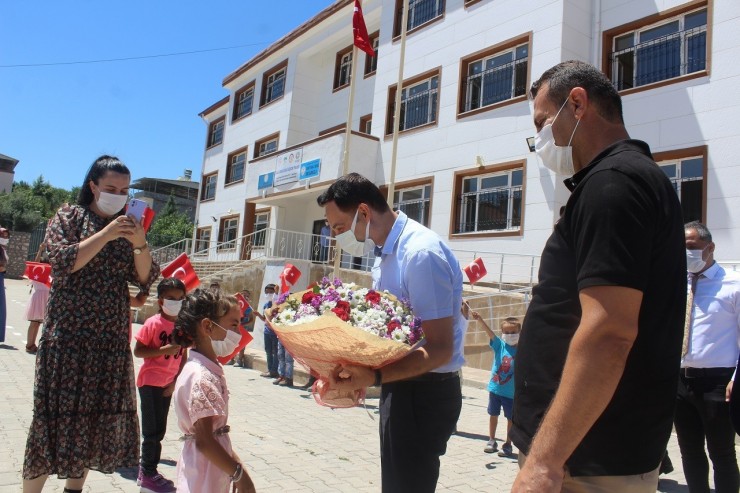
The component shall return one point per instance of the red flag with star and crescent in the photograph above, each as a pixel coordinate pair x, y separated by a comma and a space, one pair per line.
39, 272
289, 276
362, 40
246, 336
476, 270
181, 269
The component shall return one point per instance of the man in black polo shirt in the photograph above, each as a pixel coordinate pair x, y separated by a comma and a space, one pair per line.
598, 357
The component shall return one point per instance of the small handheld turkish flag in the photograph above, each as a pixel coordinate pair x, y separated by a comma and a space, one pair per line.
476, 270
289, 276
39, 272
362, 40
181, 269
246, 339
146, 218
243, 304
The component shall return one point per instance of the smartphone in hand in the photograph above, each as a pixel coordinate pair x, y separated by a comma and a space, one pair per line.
136, 208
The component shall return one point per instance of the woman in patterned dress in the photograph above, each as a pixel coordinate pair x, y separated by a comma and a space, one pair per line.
84, 414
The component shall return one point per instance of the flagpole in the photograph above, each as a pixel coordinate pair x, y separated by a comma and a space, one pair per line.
397, 105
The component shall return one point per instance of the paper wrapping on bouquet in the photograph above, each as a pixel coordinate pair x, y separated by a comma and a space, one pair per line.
328, 341
246, 339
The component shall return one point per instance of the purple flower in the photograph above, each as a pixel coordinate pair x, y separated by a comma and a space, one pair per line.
337, 282
325, 282
281, 299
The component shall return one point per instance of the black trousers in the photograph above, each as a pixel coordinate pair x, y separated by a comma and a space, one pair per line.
154, 410
702, 414
417, 419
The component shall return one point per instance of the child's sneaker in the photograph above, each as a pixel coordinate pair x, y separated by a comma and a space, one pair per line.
491, 447
506, 450
157, 484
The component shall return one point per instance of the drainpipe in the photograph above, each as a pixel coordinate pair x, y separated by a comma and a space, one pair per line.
596, 40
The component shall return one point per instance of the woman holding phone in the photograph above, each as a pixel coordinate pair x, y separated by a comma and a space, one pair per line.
84, 413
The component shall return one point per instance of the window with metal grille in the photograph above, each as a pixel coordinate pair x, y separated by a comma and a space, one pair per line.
343, 68
495, 78
216, 132
227, 233
420, 12
371, 62
261, 223
244, 101
490, 202
419, 104
235, 167
202, 239
266, 146
414, 202
209, 187
273, 83
687, 177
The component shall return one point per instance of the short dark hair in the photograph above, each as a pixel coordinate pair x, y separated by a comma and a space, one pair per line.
351, 190
97, 170
200, 304
271, 286
512, 321
701, 229
563, 77
170, 283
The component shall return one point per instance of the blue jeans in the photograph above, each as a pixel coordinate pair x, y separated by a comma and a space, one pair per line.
2, 307
271, 351
285, 362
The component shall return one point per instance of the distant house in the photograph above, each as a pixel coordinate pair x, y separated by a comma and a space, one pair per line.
157, 191
7, 171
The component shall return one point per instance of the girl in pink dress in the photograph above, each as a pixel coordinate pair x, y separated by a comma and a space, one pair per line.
208, 323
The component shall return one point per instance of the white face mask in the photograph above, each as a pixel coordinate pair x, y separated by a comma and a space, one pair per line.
510, 339
554, 157
228, 344
694, 261
4, 241
171, 307
110, 203
349, 242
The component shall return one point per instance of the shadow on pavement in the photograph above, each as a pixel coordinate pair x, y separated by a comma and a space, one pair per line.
672, 486
7, 346
130, 473
472, 436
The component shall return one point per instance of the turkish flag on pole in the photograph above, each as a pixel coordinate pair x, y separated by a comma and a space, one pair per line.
246, 339
362, 40
243, 304
476, 270
39, 272
181, 269
290, 275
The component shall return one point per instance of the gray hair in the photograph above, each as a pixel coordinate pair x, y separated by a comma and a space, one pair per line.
701, 229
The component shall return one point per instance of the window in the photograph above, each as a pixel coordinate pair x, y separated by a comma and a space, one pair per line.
686, 169
216, 132
208, 191
243, 102
366, 124
414, 202
202, 239
266, 146
420, 12
227, 232
273, 83
494, 75
489, 202
672, 47
235, 166
343, 68
419, 103
261, 223
371, 62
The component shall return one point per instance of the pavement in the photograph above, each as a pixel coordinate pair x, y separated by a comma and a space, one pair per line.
287, 442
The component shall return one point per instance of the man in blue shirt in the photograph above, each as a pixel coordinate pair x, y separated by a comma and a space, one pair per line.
420, 395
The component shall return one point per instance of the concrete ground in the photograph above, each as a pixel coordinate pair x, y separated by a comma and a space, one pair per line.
287, 441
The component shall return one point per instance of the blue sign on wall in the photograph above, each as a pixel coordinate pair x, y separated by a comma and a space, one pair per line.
265, 181
310, 169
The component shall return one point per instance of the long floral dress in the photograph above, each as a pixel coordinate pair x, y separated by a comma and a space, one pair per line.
84, 413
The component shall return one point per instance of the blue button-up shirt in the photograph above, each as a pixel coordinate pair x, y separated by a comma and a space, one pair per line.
415, 264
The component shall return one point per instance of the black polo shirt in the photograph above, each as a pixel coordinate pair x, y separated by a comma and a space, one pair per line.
622, 226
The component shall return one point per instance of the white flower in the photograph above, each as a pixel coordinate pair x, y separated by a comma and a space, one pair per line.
398, 335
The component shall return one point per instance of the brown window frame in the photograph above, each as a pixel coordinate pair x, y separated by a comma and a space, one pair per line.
370, 60
212, 132
338, 85
497, 49
204, 186
259, 212
398, 16
221, 242
683, 155
199, 237
264, 140
421, 182
237, 94
410, 82
609, 36
458, 180
269, 73
229, 164
364, 120
468, 3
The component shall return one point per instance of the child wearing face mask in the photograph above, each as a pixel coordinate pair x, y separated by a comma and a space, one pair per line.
501, 386
271, 340
163, 361
206, 323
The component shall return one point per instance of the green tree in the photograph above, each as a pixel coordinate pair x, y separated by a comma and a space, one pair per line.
27, 205
169, 226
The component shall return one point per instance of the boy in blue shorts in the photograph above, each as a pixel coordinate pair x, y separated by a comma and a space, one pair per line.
501, 386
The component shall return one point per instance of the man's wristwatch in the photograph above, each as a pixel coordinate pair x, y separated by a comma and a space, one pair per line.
138, 250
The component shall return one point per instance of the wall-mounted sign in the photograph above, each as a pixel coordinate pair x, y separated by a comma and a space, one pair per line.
310, 169
265, 181
287, 167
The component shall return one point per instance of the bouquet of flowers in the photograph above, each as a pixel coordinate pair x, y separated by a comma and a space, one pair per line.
334, 323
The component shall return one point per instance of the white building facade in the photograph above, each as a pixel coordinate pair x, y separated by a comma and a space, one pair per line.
464, 167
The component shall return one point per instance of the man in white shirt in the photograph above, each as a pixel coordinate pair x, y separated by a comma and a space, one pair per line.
708, 362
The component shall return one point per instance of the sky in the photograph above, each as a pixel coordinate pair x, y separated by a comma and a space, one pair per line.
57, 119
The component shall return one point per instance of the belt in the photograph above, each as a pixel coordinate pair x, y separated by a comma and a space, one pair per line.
434, 377
218, 432
706, 372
